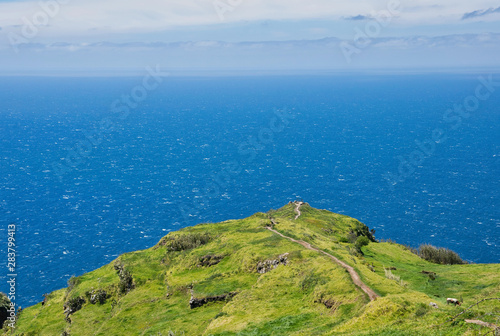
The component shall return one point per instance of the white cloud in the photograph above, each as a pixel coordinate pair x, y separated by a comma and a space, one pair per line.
93, 17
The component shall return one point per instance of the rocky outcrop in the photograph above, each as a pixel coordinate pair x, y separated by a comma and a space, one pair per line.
198, 302
433, 305
97, 296
329, 303
210, 260
431, 275
268, 265
126, 281
72, 306
45, 299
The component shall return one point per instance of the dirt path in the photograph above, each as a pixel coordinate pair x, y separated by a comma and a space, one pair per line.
354, 275
297, 208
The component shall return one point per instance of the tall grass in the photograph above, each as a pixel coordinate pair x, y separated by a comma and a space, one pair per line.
391, 276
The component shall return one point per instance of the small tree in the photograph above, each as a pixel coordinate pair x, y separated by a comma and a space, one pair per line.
361, 241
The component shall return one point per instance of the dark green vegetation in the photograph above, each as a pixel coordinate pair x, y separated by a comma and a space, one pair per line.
438, 255
213, 268
4, 308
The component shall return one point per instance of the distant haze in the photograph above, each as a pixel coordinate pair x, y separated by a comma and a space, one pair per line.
122, 37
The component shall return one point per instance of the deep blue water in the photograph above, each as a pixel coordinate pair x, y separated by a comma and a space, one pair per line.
153, 171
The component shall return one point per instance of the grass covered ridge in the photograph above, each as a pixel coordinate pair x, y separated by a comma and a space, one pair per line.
148, 292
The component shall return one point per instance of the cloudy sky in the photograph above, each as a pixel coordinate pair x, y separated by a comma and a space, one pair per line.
120, 36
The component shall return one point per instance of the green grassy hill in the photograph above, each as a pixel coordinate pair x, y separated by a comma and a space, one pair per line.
239, 278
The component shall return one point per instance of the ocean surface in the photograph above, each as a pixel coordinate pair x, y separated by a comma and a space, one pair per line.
210, 149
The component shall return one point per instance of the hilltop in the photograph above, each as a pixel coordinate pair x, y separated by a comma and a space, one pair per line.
292, 271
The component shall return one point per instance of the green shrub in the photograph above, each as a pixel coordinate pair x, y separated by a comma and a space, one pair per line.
4, 301
361, 241
361, 229
409, 248
186, 241
355, 252
421, 310
310, 281
343, 240
439, 255
4, 307
214, 276
351, 237
295, 255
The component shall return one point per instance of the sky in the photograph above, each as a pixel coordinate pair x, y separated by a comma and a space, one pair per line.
244, 36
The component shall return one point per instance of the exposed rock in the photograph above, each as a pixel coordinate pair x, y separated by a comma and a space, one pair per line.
210, 260
432, 275
329, 303
72, 306
45, 299
126, 281
433, 305
97, 296
268, 265
198, 302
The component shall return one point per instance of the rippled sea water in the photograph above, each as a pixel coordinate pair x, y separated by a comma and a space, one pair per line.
210, 149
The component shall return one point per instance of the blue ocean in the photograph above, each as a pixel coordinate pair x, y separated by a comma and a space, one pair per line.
86, 174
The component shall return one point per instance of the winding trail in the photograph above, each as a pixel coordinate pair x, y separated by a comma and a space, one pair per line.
297, 208
354, 275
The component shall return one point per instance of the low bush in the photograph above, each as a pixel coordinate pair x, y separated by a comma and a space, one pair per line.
355, 252
186, 241
352, 237
343, 240
421, 310
438, 255
361, 241
361, 229
311, 280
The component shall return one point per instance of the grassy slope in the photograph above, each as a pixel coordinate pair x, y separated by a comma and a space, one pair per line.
284, 301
